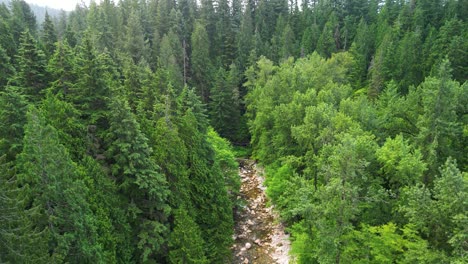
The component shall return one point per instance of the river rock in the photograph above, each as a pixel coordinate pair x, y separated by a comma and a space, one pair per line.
248, 245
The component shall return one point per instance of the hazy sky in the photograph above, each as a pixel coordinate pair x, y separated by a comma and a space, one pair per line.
66, 5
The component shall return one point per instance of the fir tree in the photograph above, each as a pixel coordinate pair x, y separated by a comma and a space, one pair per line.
31, 75
48, 36
13, 106
138, 178
55, 198
185, 242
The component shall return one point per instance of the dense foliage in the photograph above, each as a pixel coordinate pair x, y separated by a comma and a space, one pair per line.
365, 150
114, 120
105, 157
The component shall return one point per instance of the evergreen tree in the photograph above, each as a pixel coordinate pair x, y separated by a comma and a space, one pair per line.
135, 40
31, 74
6, 33
62, 69
22, 19
328, 42
201, 65
224, 103
48, 36
244, 38
55, 197
438, 126
91, 92
6, 69
213, 208
143, 187
13, 106
20, 242
224, 39
185, 242
169, 59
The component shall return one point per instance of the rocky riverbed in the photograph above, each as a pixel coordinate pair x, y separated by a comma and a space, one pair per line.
259, 236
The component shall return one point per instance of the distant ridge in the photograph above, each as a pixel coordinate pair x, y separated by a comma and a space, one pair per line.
40, 11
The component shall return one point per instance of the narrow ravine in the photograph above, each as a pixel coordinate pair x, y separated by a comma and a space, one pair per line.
259, 236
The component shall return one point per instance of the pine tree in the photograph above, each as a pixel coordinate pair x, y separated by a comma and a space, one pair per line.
92, 90
22, 19
65, 118
214, 210
62, 69
55, 197
201, 65
439, 131
224, 103
6, 33
13, 106
224, 40
6, 69
135, 45
244, 39
328, 42
139, 180
185, 242
169, 59
20, 242
31, 74
48, 36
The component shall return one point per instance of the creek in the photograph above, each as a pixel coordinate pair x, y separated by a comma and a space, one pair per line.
259, 236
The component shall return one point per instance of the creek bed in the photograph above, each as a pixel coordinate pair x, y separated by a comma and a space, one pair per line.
259, 237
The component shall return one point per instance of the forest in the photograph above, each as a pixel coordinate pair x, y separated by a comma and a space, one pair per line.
121, 122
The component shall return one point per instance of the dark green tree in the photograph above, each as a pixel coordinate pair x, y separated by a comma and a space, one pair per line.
55, 197
144, 188
213, 208
62, 69
22, 19
20, 242
185, 242
13, 106
329, 41
135, 44
31, 75
200, 61
48, 36
224, 103
6, 69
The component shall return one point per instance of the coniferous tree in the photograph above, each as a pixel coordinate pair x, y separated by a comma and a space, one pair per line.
22, 19
6, 69
48, 36
31, 75
20, 242
135, 40
7, 40
201, 65
13, 106
224, 103
91, 92
62, 69
328, 42
138, 178
214, 211
185, 242
244, 38
169, 59
55, 197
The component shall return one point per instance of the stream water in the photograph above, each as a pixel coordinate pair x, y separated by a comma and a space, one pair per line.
259, 236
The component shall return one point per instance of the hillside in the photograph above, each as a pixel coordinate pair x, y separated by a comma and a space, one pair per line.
122, 125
